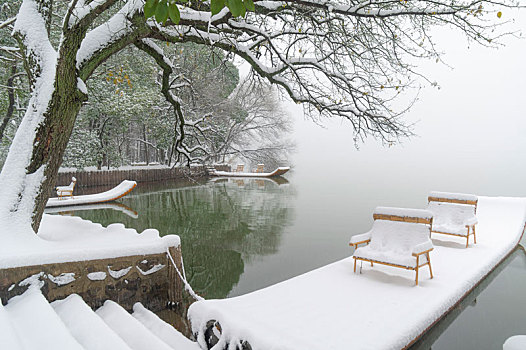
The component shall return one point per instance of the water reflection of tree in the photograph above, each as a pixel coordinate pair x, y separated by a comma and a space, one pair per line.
222, 226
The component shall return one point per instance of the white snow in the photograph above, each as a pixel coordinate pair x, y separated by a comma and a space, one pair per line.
517, 342
449, 195
107, 33
19, 190
394, 242
163, 330
85, 326
97, 276
62, 279
404, 212
334, 308
81, 85
36, 323
119, 273
281, 170
118, 191
452, 217
65, 238
134, 333
8, 337
154, 269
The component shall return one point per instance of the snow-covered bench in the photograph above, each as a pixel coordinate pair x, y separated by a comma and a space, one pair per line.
240, 168
454, 214
399, 237
260, 168
66, 191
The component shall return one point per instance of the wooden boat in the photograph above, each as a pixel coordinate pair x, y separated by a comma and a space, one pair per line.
278, 172
117, 192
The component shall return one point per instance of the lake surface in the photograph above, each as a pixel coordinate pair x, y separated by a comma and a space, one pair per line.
242, 235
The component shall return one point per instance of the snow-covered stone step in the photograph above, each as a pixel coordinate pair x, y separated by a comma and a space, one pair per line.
37, 324
133, 332
86, 326
8, 336
163, 330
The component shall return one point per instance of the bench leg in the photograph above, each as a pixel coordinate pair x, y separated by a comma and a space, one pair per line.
467, 238
416, 269
429, 263
474, 235
354, 265
371, 263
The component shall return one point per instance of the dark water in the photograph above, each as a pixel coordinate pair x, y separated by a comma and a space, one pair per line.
242, 235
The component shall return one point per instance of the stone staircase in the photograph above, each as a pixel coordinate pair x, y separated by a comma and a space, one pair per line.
29, 321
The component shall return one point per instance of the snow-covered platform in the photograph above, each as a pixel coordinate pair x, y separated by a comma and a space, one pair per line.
381, 308
28, 321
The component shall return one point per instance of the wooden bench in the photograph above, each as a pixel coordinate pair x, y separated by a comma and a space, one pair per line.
260, 168
399, 238
240, 168
66, 191
454, 214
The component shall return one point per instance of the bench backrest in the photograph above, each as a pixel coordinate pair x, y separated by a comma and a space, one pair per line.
453, 198
397, 229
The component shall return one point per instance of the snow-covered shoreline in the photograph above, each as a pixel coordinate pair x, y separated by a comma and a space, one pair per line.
333, 308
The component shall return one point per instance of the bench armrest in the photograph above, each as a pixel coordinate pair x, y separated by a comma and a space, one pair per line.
359, 239
422, 248
471, 221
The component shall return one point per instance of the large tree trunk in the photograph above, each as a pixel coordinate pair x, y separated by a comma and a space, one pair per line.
30, 170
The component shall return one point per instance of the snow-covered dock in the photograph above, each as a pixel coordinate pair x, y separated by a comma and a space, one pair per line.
381, 308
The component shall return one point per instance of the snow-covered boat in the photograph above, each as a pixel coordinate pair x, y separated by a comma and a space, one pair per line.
278, 172
117, 192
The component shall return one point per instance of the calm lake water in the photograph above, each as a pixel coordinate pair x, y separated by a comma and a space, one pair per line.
242, 235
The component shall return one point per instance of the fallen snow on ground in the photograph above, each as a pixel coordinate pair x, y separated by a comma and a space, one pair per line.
65, 238
381, 308
163, 330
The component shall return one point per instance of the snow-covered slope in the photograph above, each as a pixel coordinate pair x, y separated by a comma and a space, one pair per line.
29, 322
332, 308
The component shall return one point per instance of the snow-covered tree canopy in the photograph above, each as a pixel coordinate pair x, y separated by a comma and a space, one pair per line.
338, 58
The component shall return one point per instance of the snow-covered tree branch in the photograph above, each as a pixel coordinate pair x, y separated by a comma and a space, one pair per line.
346, 59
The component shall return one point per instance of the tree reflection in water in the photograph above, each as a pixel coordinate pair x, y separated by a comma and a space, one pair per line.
222, 225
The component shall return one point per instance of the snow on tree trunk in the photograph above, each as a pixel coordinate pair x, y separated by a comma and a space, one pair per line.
35, 155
